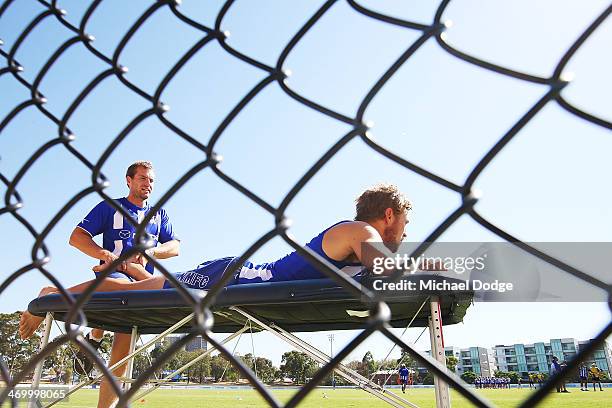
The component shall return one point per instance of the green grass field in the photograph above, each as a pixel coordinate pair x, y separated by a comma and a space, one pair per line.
339, 398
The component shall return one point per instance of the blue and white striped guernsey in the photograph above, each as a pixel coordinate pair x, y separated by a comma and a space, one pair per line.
118, 233
583, 371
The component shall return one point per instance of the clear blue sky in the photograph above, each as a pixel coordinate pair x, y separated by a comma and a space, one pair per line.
550, 184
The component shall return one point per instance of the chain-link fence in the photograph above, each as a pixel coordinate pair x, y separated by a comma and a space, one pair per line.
203, 321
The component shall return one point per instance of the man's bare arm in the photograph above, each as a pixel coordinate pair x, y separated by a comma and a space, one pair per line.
367, 245
84, 242
165, 250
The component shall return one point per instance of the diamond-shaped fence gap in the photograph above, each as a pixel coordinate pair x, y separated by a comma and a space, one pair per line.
152, 140
38, 45
13, 260
102, 115
109, 27
218, 214
13, 94
559, 172
407, 112
278, 150
349, 62
465, 229
16, 18
68, 76
204, 12
155, 47
591, 69
221, 81
43, 192
353, 169
530, 49
421, 12
23, 135
589, 257
264, 38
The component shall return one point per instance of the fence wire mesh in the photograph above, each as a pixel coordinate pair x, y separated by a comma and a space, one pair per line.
203, 321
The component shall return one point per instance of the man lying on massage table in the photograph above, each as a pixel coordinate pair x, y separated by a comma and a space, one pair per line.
381, 216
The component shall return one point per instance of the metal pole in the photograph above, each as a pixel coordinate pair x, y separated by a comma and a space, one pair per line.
331, 355
437, 351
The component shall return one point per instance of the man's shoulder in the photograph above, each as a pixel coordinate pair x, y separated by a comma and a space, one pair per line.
104, 205
351, 230
350, 226
108, 204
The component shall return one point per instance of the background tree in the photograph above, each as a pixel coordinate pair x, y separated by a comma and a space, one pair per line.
469, 377
514, 377
14, 351
266, 370
451, 363
298, 366
222, 370
407, 359
368, 365
201, 369
263, 367
141, 363
106, 346
387, 365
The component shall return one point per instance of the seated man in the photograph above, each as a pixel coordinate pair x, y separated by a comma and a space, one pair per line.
381, 216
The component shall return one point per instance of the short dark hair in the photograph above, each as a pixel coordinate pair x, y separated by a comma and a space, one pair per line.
140, 163
372, 203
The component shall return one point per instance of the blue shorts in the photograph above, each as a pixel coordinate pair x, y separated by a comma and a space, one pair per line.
207, 274
403, 380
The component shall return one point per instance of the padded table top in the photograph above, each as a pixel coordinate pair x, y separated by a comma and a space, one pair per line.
296, 306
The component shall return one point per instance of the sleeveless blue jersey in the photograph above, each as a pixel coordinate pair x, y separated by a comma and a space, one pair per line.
118, 233
294, 266
290, 267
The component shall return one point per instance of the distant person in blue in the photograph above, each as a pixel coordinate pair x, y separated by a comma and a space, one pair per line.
403, 376
118, 237
583, 372
381, 216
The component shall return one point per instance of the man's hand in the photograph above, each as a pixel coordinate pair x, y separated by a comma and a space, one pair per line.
108, 257
135, 270
141, 259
